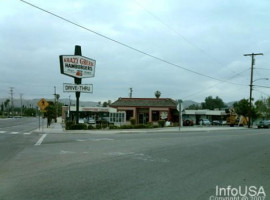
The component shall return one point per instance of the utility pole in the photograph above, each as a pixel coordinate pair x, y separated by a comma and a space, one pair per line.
251, 83
11, 99
130, 94
21, 104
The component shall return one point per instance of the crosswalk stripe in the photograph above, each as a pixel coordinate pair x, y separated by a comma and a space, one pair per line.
15, 132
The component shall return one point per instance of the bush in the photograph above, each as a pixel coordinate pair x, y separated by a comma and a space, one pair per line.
69, 124
132, 121
98, 126
111, 126
126, 127
78, 127
138, 126
90, 127
161, 123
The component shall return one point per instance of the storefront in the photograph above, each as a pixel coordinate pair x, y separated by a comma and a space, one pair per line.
145, 110
94, 114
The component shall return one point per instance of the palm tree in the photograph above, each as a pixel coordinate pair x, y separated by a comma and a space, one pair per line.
157, 94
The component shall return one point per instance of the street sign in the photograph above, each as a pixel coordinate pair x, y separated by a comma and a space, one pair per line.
77, 66
85, 88
43, 104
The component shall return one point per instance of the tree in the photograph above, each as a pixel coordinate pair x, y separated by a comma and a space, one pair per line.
157, 94
242, 108
263, 108
106, 104
194, 107
212, 104
6, 103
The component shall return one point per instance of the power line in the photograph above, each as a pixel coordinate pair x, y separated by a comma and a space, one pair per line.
212, 86
176, 32
123, 44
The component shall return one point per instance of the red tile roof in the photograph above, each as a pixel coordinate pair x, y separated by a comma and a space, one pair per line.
144, 102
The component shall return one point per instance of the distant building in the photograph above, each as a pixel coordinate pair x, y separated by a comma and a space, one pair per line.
211, 115
146, 110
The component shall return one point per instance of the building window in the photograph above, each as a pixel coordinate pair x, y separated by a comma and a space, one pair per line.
155, 116
129, 114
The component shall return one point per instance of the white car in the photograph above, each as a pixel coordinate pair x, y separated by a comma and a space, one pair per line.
205, 122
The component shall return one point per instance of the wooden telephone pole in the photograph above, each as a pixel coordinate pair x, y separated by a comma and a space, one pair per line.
251, 84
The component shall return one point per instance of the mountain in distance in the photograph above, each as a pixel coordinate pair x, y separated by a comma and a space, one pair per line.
33, 102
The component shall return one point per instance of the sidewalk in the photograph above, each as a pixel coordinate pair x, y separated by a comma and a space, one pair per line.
58, 127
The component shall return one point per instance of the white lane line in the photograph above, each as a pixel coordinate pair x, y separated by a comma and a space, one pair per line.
27, 133
14, 133
40, 140
2, 131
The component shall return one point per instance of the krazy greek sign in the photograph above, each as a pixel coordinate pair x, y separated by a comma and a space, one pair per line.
84, 88
77, 66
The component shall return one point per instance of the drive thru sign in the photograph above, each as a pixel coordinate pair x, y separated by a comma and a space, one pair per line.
85, 88
77, 66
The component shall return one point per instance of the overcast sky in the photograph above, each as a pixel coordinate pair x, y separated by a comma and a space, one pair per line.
206, 37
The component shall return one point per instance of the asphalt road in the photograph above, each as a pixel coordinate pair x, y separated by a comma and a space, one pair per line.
140, 166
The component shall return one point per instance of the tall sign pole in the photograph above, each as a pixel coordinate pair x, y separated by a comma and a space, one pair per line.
78, 81
78, 67
251, 84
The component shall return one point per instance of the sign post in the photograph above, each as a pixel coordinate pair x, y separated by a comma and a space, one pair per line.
43, 104
79, 67
180, 112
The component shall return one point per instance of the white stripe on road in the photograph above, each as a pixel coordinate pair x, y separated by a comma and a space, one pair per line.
2, 131
27, 133
14, 133
40, 140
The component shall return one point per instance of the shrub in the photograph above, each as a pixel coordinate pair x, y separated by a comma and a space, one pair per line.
69, 124
132, 121
126, 127
161, 123
90, 127
111, 126
141, 126
98, 126
78, 127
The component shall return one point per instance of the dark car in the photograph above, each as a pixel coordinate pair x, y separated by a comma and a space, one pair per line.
216, 122
264, 124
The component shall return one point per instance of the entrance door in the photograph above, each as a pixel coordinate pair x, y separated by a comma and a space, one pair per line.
143, 118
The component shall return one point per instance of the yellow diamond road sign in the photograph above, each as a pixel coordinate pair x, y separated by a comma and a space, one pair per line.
43, 104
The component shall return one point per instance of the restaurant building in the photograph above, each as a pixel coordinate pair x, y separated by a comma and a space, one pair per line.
145, 110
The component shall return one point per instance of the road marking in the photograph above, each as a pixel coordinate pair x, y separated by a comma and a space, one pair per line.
2, 131
40, 140
14, 133
27, 133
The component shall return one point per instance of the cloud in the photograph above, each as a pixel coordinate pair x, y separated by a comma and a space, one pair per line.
207, 37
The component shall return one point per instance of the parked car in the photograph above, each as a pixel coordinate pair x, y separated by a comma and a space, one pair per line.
264, 124
216, 122
205, 122
188, 122
81, 121
91, 121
